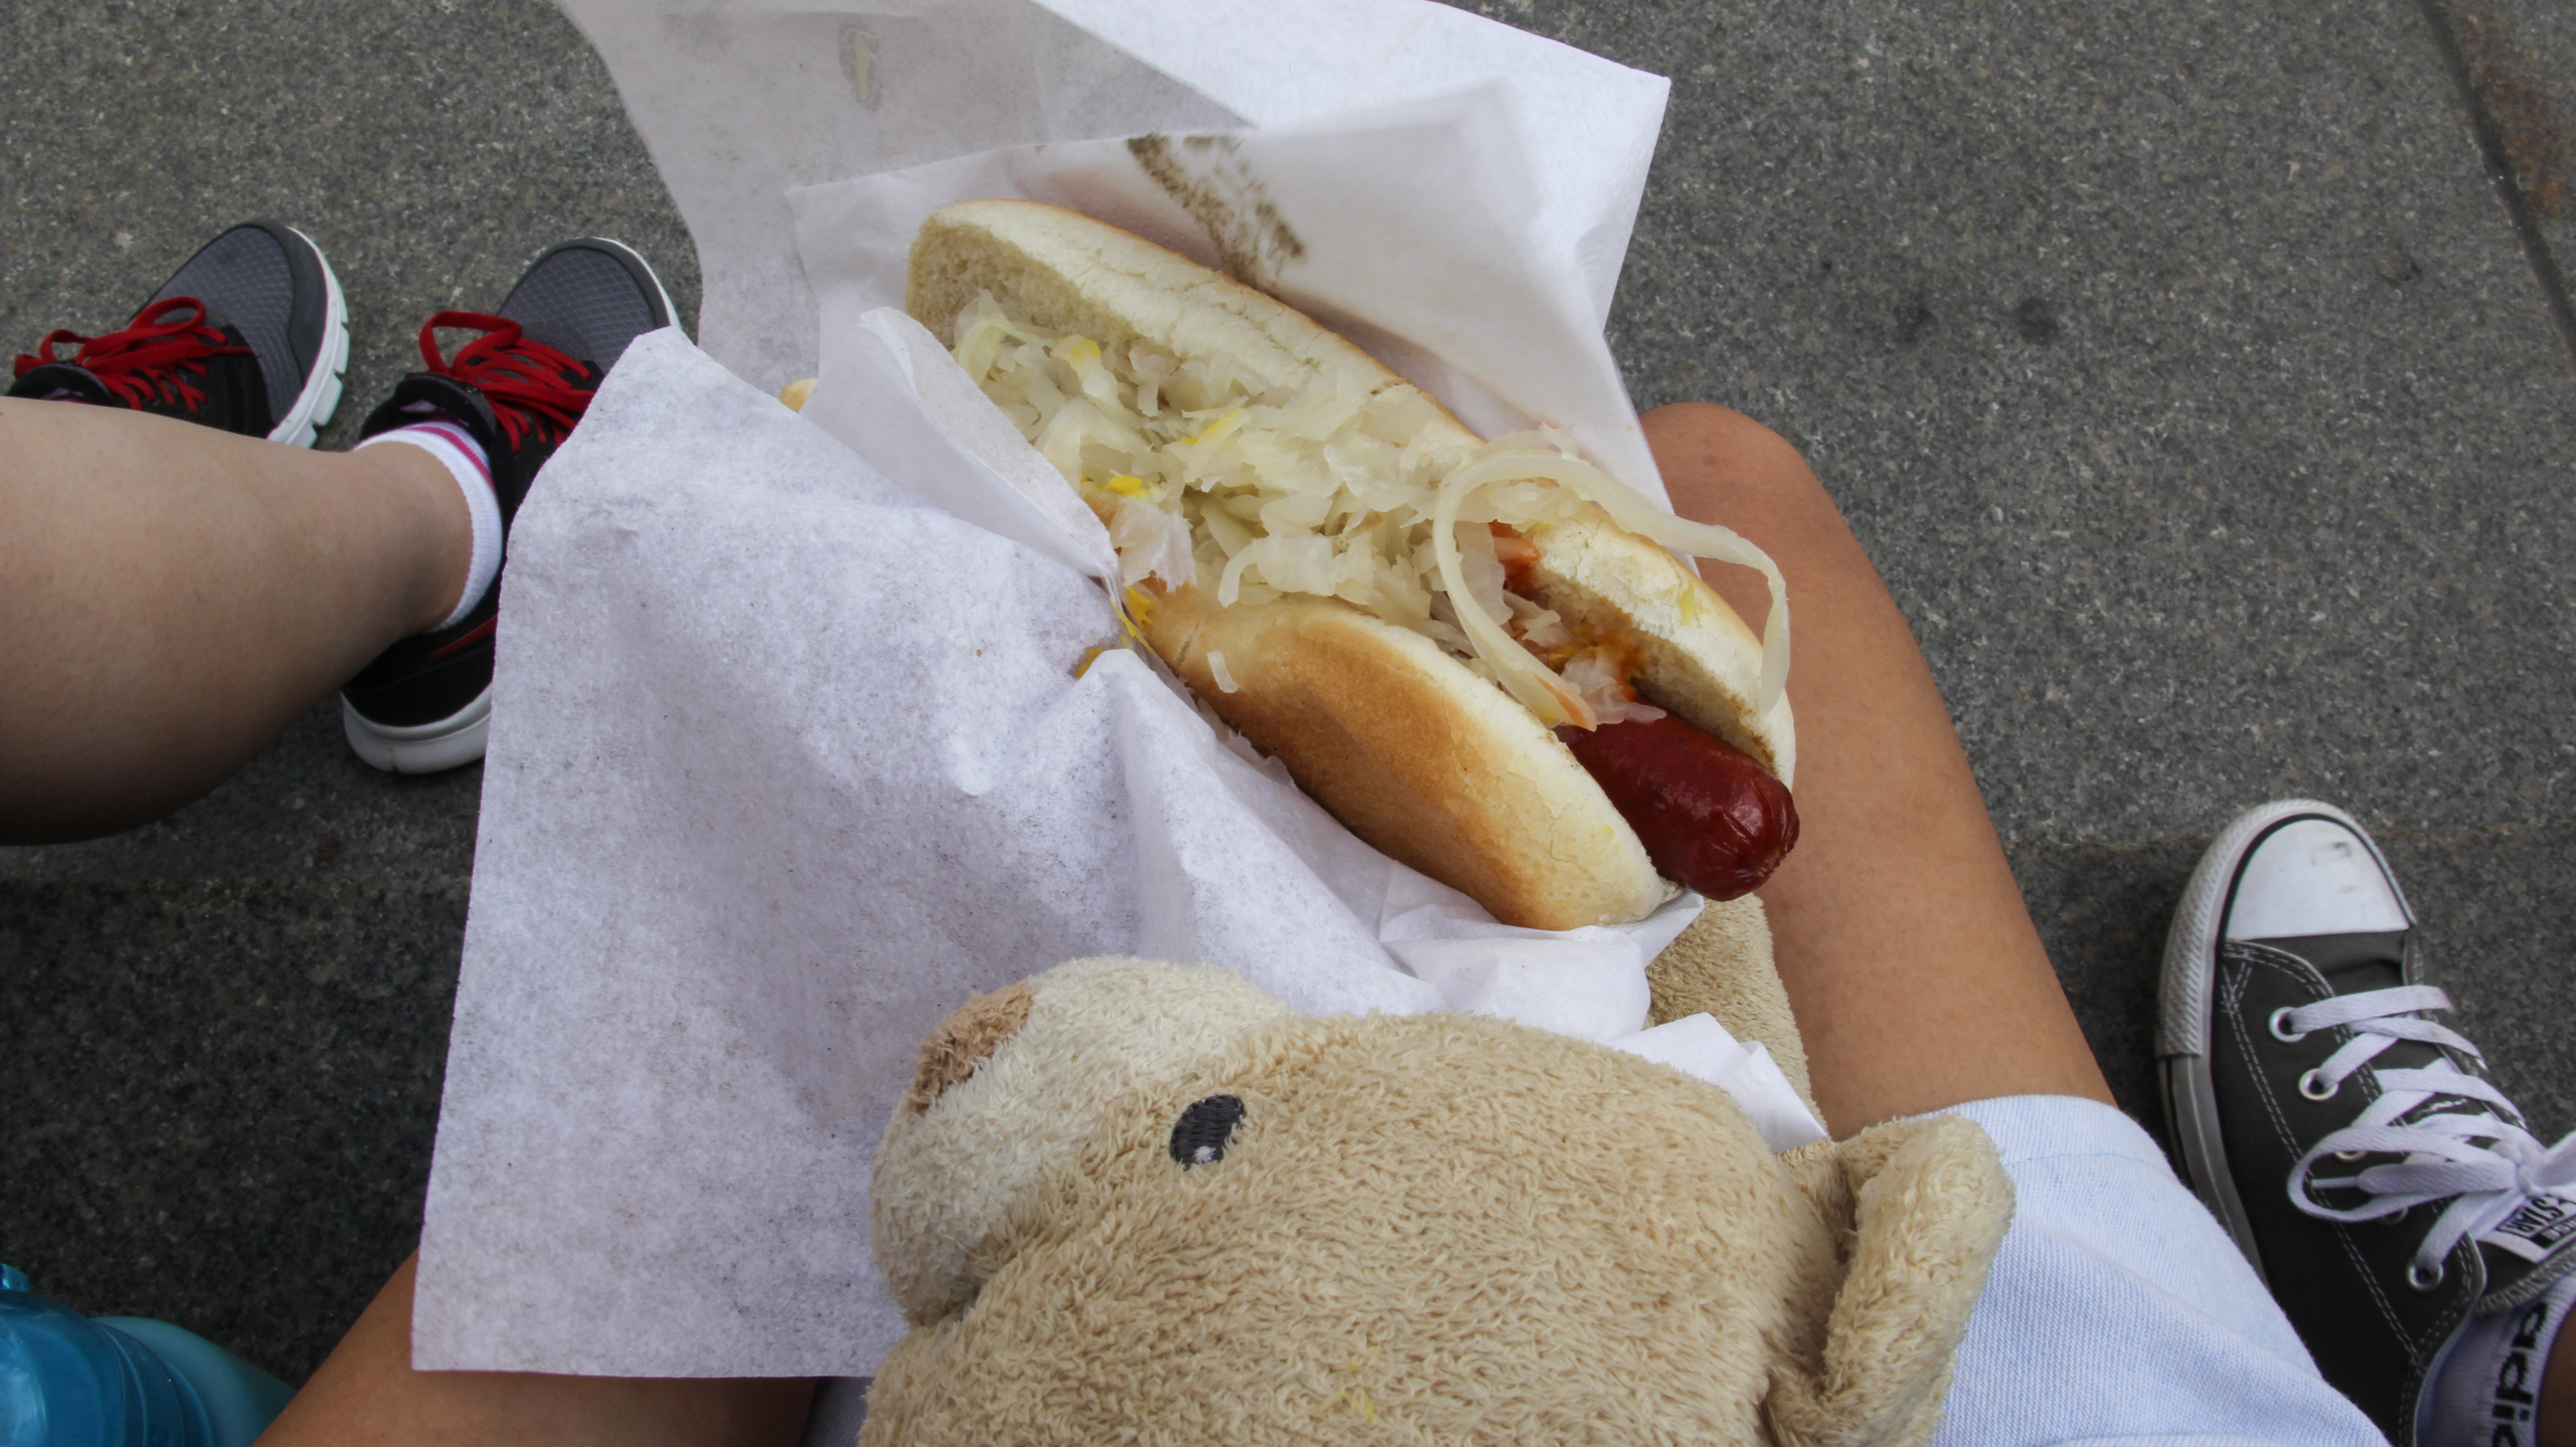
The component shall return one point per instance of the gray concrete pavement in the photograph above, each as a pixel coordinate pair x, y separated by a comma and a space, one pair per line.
2518, 58
2182, 365
224, 1033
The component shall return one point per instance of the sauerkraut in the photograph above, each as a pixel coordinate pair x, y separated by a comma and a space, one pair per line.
1207, 471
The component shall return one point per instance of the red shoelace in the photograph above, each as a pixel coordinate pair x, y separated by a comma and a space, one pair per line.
529, 383
144, 361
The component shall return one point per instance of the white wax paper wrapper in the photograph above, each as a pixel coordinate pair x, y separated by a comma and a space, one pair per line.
1412, 231
742, 100
1698, 1045
786, 757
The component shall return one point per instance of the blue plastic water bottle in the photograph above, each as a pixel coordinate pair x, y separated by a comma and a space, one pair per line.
120, 1381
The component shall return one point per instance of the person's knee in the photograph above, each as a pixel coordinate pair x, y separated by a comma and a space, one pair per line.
1693, 424
1717, 462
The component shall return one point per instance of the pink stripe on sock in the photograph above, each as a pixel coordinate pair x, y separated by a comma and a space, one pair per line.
463, 439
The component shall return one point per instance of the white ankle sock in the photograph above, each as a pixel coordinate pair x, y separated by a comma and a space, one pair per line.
453, 445
2486, 1389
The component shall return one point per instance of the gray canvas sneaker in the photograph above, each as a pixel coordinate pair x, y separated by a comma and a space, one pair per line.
2353, 1145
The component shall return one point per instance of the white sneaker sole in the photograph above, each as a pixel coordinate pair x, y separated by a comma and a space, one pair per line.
321, 395
2182, 1025
430, 748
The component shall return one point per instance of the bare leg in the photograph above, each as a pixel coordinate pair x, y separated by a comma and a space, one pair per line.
2556, 1426
175, 596
1917, 977
367, 1395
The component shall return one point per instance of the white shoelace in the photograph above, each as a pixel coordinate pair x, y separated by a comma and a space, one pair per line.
2485, 1165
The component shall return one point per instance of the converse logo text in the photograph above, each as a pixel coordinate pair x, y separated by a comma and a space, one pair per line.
2543, 1223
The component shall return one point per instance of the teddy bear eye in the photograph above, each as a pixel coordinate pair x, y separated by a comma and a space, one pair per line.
1200, 1135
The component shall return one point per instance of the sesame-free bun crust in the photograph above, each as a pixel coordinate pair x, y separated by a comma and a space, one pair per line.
1698, 658
1417, 755
1420, 757
1064, 270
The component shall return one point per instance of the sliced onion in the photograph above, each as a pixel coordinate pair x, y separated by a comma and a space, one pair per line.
1600, 678
1229, 587
1537, 688
1150, 543
1630, 511
1228, 477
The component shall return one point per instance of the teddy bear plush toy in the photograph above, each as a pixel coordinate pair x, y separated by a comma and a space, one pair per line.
1137, 1202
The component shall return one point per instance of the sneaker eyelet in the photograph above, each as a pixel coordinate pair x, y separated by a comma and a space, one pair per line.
2313, 1086
2280, 1030
2350, 1156
2416, 1278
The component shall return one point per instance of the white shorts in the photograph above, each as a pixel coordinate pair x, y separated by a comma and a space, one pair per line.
2119, 1310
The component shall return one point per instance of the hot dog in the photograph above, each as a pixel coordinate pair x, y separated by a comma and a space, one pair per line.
1451, 644
1708, 815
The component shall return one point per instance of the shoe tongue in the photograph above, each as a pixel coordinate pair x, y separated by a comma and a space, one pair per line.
61, 381
2534, 1246
2354, 963
2531, 1248
2351, 963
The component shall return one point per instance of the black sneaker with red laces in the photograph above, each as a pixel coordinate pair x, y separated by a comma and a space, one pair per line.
518, 389
251, 336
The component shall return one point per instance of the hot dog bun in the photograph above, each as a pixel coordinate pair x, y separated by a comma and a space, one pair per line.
1392, 734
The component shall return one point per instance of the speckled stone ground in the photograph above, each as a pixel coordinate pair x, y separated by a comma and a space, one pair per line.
2204, 396
2518, 57
221, 1036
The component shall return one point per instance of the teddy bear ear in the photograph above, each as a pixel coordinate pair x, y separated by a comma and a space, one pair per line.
1007, 1089
1931, 1203
966, 1039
